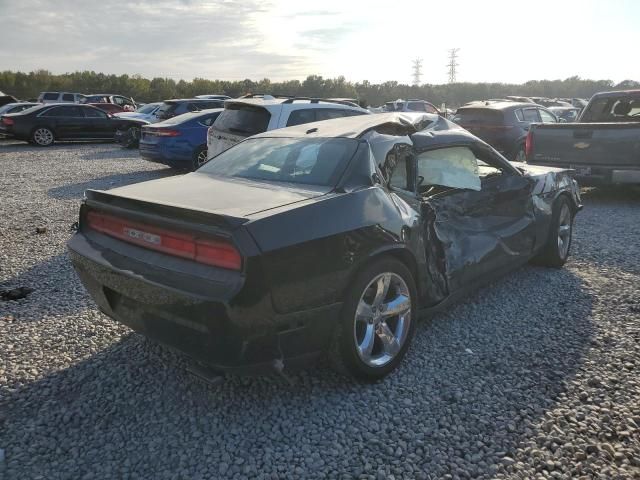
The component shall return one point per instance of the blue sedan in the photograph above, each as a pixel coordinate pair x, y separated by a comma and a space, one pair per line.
181, 141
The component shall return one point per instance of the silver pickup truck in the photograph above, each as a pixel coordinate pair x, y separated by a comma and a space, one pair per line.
603, 147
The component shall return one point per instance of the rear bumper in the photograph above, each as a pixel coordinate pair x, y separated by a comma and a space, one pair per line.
205, 318
587, 175
174, 156
599, 174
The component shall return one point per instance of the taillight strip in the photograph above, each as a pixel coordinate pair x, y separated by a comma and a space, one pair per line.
218, 253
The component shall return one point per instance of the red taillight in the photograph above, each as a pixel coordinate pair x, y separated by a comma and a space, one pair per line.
218, 253
528, 145
7, 121
163, 132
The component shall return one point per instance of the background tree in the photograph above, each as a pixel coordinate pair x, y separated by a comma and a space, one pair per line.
29, 85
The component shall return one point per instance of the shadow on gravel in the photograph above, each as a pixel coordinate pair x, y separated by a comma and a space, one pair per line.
53, 295
77, 190
617, 193
472, 387
11, 146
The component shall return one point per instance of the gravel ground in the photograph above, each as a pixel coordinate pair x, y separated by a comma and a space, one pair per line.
533, 377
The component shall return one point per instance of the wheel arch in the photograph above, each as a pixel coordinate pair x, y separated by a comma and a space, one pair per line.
399, 252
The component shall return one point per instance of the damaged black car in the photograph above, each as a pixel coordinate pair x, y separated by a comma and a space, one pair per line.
329, 238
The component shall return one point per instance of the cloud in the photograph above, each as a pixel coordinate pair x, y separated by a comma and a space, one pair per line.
179, 39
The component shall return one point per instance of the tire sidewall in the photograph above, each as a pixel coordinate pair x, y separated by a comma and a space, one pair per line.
346, 343
33, 138
562, 200
131, 140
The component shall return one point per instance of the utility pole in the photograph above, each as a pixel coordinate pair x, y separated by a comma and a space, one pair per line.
417, 71
453, 56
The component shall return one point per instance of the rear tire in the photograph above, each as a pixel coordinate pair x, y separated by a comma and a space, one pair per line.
556, 251
199, 157
132, 138
377, 322
42, 137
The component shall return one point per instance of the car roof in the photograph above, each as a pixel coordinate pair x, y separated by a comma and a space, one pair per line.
13, 104
186, 117
176, 100
617, 93
357, 125
499, 105
262, 101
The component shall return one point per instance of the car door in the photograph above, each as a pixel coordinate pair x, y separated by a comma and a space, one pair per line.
98, 123
67, 121
481, 213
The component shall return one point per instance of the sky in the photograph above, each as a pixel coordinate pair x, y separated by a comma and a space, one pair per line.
498, 41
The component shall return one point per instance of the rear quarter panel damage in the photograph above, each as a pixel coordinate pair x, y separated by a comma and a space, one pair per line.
310, 252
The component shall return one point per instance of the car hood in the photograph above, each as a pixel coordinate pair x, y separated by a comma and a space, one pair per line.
231, 197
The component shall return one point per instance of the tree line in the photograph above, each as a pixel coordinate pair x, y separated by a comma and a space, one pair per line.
29, 85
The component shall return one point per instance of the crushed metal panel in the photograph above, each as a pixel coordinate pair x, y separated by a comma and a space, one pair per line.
481, 231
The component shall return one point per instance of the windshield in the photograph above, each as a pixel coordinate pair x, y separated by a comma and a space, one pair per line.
312, 161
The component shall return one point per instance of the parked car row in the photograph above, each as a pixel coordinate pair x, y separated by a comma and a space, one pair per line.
118, 102
503, 125
43, 124
602, 147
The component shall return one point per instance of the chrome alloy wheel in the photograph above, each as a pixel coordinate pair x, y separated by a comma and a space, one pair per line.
201, 159
382, 319
43, 136
564, 231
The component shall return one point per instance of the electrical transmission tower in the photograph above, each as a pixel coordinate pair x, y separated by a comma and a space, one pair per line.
417, 71
453, 56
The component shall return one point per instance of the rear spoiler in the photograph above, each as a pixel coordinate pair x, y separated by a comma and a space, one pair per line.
161, 214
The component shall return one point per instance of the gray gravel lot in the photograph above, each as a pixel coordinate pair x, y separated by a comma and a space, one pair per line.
535, 376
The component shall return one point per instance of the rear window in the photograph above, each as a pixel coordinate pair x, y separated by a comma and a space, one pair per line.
50, 96
243, 119
416, 107
68, 97
478, 116
311, 161
612, 109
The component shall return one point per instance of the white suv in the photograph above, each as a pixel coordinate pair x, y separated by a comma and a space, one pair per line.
250, 115
60, 97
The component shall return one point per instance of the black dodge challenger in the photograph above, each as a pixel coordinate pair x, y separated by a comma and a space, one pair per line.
324, 238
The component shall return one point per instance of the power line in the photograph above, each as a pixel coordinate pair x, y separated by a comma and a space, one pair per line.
453, 56
417, 71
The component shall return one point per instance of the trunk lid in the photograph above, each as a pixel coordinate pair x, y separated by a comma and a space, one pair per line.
231, 198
